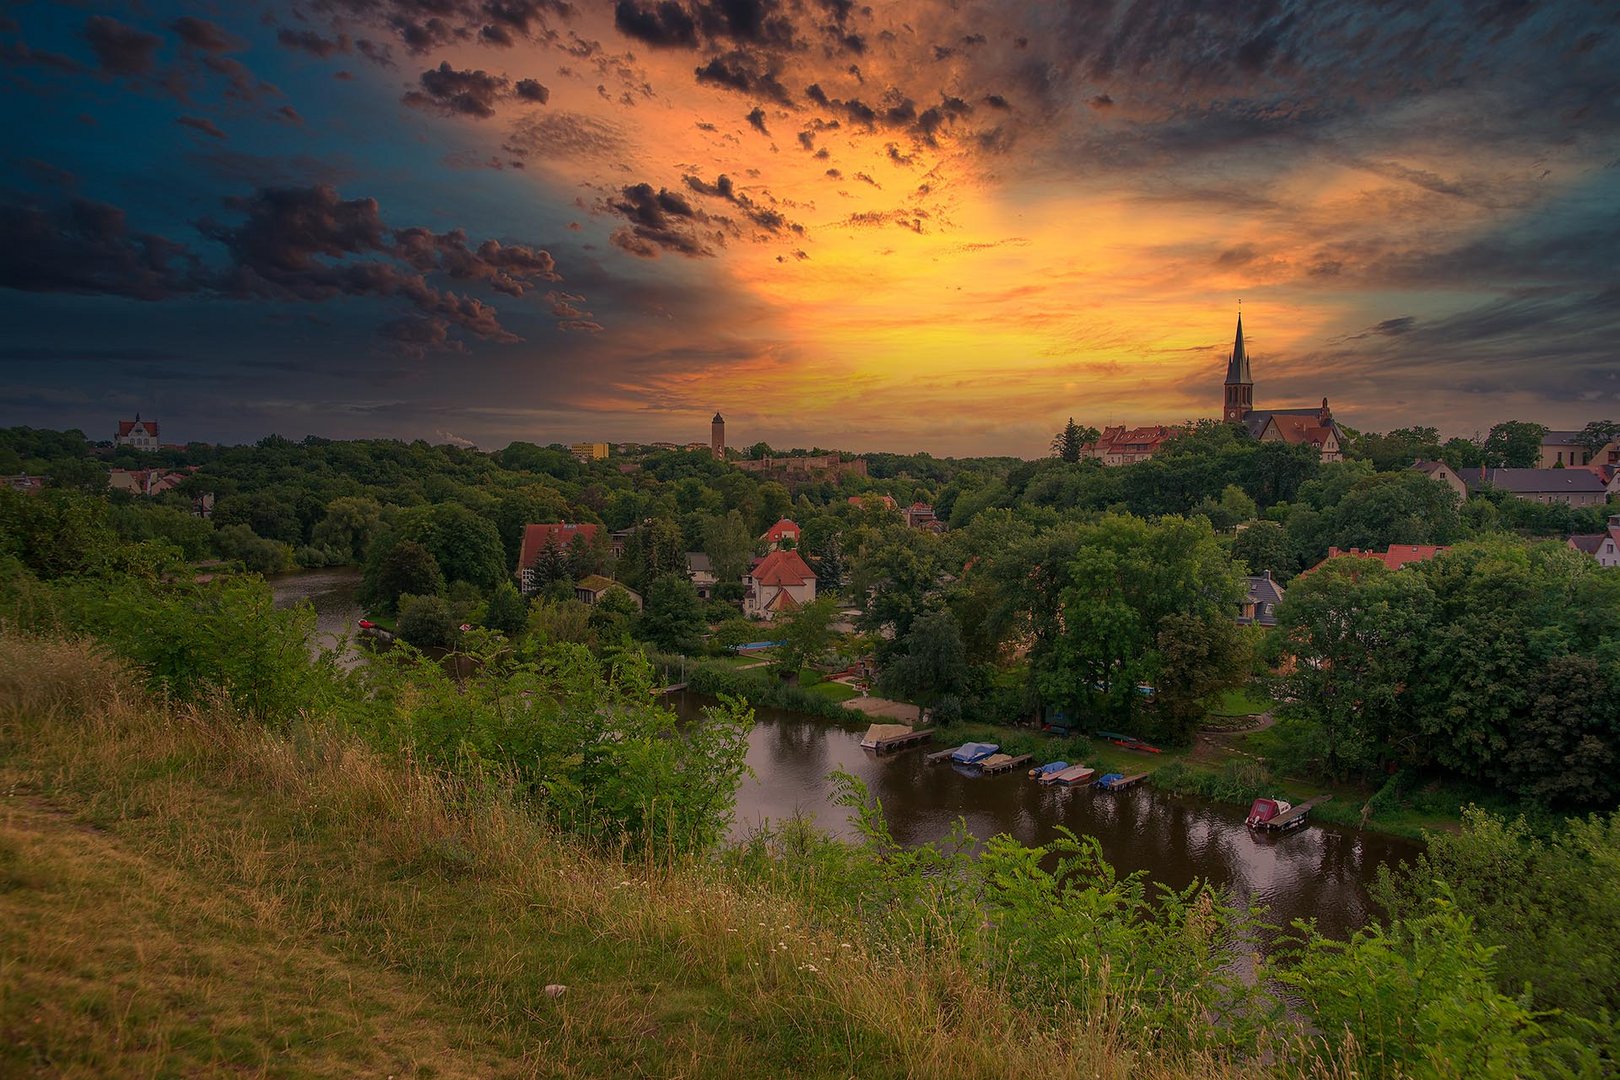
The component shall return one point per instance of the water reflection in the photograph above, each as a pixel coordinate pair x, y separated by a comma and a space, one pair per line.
1319, 872
334, 594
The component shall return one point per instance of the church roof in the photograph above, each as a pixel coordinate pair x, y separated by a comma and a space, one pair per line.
1237, 369
718, 419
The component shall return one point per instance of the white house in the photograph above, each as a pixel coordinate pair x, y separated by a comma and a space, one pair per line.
1603, 546
779, 582
141, 434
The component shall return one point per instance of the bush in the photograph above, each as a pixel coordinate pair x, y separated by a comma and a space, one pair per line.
427, 622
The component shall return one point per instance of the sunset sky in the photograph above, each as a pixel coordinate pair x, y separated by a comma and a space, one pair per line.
922, 226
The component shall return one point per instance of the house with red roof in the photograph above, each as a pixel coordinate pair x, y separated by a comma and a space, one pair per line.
781, 581
887, 501
782, 530
1603, 546
1120, 445
551, 539
141, 434
1397, 556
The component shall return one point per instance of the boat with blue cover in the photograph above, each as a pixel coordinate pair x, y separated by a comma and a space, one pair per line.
974, 752
1050, 767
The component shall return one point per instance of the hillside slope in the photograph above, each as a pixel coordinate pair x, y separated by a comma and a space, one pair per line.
184, 893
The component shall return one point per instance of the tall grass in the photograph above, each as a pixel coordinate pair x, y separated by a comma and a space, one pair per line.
449, 907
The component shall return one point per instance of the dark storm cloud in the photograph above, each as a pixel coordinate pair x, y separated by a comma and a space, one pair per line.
424, 25
531, 90
687, 25
723, 188
197, 123
664, 24
121, 49
472, 92
203, 35
747, 72
756, 120
313, 43
660, 221
87, 247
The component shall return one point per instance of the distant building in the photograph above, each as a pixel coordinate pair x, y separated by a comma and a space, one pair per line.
782, 581
1603, 546
1311, 426
589, 451
1564, 448
1439, 470
1572, 487
591, 589
1259, 607
25, 484
141, 434
921, 516
885, 501
1397, 556
717, 437
537, 539
804, 469
700, 571
1121, 445
144, 481
782, 530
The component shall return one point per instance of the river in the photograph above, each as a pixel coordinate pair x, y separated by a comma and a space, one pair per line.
1319, 872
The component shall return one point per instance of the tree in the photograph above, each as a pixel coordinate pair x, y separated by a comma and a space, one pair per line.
1067, 443
1264, 546
611, 617
1461, 454
426, 622
407, 567
506, 611
1597, 434
1199, 656
806, 633
348, 527
1234, 508
932, 660
729, 544
672, 618
1514, 444
1126, 577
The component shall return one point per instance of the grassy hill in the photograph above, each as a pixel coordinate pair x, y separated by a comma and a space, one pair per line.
186, 893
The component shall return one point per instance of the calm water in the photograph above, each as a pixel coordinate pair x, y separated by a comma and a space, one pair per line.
334, 595
1318, 872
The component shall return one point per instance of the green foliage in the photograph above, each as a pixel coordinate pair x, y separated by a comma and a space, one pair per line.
1550, 906
1263, 546
397, 570
672, 616
253, 551
1418, 999
427, 622
67, 534
1514, 444
931, 662
506, 611
806, 633
348, 527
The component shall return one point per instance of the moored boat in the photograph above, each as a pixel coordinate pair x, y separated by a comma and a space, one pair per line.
1073, 775
974, 752
1040, 771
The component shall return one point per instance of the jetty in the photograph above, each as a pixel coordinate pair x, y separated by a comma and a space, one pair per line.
1118, 782
999, 763
883, 738
1074, 774
940, 757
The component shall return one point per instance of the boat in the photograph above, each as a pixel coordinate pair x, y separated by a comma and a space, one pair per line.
974, 752
1279, 815
1129, 742
1073, 775
1108, 780
1040, 771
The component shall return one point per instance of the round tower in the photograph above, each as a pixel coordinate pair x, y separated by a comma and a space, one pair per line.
717, 437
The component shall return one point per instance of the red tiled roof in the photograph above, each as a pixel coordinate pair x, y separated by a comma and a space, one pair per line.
1301, 429
1396, 557
782, 568
782, 528
782, 601
127, 426
536, 538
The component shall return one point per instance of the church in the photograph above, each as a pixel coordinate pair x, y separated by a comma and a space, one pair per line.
1314, 426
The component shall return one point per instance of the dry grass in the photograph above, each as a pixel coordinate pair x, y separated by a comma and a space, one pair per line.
184, 893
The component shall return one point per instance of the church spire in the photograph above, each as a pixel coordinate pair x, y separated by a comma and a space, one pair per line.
1237, 371
1239, 383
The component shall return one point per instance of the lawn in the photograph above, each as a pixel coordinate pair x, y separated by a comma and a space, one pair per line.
812, 682
1243, 701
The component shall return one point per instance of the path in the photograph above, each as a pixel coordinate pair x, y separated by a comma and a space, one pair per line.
1214, 747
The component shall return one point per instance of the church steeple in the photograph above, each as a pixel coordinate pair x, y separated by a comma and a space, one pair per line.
1239, 383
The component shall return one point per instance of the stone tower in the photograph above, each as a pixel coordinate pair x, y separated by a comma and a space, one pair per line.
717, 437
1239, 383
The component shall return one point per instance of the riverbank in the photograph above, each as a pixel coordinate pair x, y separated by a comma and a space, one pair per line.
187, 892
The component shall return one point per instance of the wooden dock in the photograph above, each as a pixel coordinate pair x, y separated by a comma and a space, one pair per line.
999, 763
882, 738
1293, 818
1074, 774
1123, 782
940, 757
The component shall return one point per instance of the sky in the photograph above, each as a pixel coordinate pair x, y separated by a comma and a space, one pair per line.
943, 226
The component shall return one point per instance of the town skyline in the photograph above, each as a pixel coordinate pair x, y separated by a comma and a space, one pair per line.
925, 227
